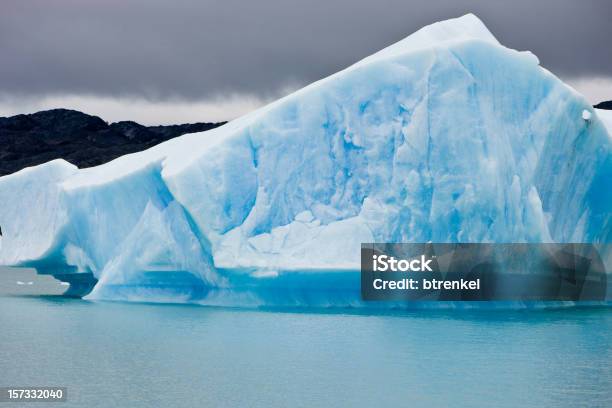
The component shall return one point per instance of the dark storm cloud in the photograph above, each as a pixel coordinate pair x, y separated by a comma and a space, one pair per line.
198, 49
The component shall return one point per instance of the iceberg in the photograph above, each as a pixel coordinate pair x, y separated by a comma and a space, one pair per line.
445, 136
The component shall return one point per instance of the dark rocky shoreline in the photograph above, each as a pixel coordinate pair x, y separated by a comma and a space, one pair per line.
81, 139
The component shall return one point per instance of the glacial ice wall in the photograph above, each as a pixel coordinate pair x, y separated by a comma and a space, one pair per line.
446, 136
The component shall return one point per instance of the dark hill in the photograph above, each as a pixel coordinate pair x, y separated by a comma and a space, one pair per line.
81, 139
604, 105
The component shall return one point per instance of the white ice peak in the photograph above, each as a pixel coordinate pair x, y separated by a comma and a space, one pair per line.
465, 28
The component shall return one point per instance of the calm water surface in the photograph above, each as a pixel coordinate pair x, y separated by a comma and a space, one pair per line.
137, 355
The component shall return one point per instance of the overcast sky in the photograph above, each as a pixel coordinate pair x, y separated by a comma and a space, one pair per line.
204, 60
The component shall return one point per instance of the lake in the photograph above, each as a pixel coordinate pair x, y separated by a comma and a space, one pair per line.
141, 355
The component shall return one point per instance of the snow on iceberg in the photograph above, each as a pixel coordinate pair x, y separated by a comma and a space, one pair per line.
445, 136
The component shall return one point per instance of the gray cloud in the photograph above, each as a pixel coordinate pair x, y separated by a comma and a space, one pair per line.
194, 50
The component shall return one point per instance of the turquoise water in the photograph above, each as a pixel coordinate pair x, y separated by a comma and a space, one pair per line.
137, 355
142, 355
